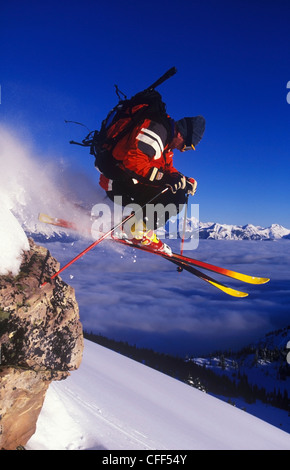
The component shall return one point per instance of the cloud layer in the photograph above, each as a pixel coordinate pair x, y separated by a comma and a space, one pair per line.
140, 298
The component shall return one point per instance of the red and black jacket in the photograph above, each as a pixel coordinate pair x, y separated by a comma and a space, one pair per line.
144, 154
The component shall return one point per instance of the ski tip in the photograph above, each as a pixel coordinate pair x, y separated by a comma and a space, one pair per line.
264, 280
242, 295
229, 290
257, 280
236, 293
44, 218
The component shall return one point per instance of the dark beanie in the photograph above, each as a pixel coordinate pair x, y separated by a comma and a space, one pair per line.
192, 129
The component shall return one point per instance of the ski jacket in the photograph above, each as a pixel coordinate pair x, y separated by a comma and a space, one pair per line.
144, 154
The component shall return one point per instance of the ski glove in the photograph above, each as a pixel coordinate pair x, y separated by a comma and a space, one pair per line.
175, 181
191, 185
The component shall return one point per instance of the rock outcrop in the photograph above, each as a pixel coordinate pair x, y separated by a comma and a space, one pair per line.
41, 340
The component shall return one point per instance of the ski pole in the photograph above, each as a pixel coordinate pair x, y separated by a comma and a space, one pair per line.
179, 269
184, 224
106, 235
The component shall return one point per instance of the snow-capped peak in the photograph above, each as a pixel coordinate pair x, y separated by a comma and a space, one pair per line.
239, 232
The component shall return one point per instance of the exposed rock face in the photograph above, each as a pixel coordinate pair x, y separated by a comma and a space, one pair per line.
40, 339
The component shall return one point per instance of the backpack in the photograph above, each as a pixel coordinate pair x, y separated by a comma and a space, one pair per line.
121, 120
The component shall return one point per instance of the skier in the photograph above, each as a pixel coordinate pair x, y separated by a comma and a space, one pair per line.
142, 165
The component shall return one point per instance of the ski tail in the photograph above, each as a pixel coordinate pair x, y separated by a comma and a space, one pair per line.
47, 219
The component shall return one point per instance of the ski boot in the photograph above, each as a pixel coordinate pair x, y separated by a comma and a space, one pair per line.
141, 235
150, 240
137, 233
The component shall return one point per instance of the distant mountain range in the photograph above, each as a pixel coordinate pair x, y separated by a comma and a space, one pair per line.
246, 232
216, 231
207, 230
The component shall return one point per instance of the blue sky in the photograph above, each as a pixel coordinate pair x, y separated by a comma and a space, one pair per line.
61, 59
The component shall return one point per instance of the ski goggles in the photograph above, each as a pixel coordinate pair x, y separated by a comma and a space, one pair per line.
188, 147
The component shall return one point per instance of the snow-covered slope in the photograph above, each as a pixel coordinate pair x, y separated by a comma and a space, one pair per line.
115, 403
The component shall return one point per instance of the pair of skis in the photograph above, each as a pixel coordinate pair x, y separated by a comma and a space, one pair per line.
190, 264
183, 262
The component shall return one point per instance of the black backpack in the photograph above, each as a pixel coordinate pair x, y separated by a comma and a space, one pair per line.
122, 119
